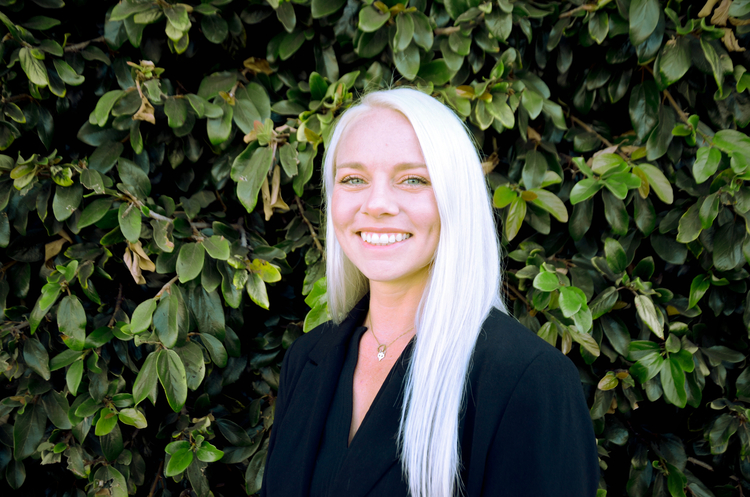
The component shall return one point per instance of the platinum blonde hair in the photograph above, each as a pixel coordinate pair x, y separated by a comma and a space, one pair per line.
463, 286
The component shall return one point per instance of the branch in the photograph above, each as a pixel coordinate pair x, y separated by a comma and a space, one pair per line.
589, 7
447, 31
166, 287
310, 226
118, 302
599, 137
516, 292
700, 463
82, 45
156, 480
683, 116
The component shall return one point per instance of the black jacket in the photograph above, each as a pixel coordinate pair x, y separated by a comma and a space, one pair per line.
526, 430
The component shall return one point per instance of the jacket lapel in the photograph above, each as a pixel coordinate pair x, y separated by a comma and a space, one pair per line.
373, 451
308, 408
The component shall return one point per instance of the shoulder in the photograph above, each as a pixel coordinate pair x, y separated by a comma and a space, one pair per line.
506, 349
299, 350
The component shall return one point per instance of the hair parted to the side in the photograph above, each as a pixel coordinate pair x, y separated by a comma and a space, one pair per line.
463, 286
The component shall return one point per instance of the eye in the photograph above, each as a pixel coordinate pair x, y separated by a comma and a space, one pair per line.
352, 180
416, 181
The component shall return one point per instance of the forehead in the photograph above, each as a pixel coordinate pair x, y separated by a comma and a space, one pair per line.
379, 137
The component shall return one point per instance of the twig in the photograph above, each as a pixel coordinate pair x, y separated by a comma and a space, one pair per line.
516, 292
118, 302
156, 480
310, 226
589, 7
700, 463
166, 287
447, 31
683, 116
80, 46
599, 137
241, 228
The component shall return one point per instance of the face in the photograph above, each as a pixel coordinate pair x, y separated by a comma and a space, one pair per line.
383, 207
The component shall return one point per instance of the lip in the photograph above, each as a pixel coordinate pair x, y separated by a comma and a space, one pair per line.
382, 230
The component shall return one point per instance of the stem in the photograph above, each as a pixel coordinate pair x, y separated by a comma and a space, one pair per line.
600, 137
683, 116
118, 302
156, 479
310, 226
700, 463
516, 292
447, 31
589, 7
166, 287
82, 45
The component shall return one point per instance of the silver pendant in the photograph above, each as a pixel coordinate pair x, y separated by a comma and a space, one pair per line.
381, 353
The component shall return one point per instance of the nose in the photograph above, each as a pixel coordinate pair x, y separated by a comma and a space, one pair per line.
381, 200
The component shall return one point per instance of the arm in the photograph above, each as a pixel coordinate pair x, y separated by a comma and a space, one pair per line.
544, 444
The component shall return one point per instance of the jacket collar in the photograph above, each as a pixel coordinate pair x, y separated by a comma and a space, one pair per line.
339, 336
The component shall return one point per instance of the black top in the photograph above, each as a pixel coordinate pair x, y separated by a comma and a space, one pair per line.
525, 430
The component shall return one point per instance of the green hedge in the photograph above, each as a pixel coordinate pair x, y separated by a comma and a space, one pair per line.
161, 229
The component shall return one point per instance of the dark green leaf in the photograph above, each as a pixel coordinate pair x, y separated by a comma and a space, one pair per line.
172, 377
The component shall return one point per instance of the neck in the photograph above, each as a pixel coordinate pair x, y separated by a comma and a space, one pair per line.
393, 309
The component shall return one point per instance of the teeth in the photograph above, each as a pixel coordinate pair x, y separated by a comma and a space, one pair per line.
384, 238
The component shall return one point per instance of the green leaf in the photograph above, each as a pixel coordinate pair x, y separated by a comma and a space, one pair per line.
550, 203
584, 190
673, 382
648, 366
661, 136
73, 376
214, 28
94, 212
28, 430
133, 417
33, 67
129, 219
322, 8
436, 72
67, 73
423, 35
371, 19
56, 406
178, 462
535, 165
71, 320
172, 377
617, 260
176, 110
66, 200
290, 44
644, 108
648, 314
190, 261
532, 102
36, 357
503, 196
145, 382
215, 349
732, 141
514, 219
713, 60
698, 288
644, 15
106, 423
728, 241
135, 180
404, 32
571, 301
706, 163
673, 61
657, 182
709, 210
114, 480
195, 370
256, 289
141, 320
546, 281
166, 319
252, 167
690, 225
208, 453
407, 61
217, 247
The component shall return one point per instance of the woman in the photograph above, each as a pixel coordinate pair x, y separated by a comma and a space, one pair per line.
421, 385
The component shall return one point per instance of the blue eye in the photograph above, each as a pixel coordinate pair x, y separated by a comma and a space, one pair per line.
352, 180
415, 181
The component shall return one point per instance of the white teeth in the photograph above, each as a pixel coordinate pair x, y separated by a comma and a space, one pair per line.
384, 238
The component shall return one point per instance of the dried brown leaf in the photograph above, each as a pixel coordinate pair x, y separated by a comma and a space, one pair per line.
730, 41
707, 8
258, 65
721, 14
146, 112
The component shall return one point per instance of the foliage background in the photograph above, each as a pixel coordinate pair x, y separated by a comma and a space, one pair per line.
161, 237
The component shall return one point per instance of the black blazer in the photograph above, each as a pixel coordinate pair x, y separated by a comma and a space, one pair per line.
525, 431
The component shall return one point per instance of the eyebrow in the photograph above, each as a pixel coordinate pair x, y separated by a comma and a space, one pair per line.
399, 167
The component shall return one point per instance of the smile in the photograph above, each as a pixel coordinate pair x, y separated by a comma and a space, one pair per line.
383, 238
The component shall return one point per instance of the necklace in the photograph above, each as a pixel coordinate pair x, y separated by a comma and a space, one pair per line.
383, 347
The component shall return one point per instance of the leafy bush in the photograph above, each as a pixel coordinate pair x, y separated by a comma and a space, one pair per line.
161, 227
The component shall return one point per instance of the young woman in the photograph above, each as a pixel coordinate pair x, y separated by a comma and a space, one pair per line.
421, 385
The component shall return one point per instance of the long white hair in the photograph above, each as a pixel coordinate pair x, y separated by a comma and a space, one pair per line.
463, 286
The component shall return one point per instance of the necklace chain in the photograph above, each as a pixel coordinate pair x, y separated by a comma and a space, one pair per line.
383, 347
